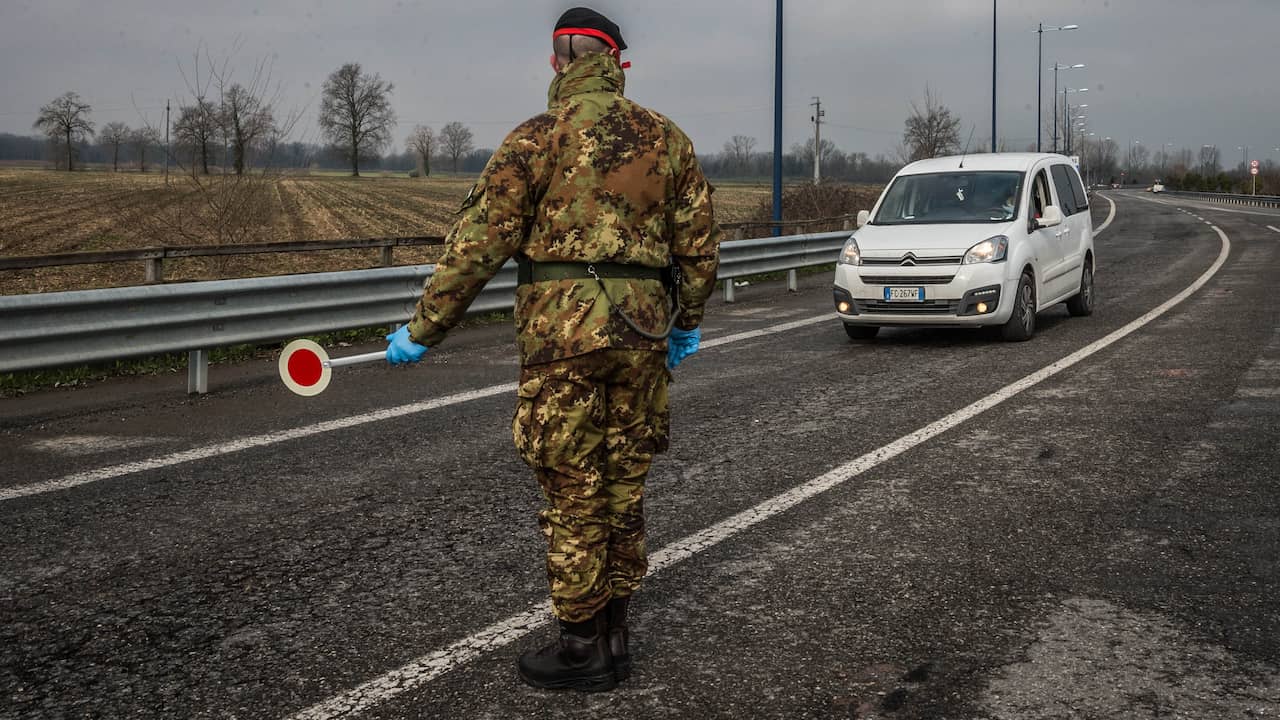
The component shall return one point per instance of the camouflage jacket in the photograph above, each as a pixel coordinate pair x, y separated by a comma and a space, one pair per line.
596, 178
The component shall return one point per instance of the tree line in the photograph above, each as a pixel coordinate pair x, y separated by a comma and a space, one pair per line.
234, 126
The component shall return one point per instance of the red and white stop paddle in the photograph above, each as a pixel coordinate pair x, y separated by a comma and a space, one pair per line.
306, 368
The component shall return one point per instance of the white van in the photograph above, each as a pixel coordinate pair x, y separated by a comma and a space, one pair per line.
981, 240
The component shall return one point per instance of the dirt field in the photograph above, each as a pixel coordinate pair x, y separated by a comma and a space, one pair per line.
44, 212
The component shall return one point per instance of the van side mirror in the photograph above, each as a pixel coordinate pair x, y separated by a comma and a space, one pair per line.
864, 217
1051, 216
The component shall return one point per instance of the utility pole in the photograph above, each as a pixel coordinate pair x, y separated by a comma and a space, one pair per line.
777, 125
166, 142
818, 114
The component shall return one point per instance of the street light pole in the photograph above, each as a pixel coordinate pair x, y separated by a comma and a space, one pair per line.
777, 125
994, 6
1040, 79
1056, 68
1055, 107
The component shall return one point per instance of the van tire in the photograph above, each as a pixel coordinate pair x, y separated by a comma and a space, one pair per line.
1022, 323
1081, 304
861, 332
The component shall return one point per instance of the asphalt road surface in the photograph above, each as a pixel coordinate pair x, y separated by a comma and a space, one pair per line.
933, 524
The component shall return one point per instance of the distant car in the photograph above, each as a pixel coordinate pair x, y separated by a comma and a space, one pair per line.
984, 240
1157, 187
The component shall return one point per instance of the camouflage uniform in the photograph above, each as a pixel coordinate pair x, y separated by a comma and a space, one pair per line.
594, 179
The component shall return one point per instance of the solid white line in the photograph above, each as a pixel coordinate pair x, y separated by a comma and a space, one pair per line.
234, 446
750, 334
1273, 227
226, 448
1110, 216
433, 665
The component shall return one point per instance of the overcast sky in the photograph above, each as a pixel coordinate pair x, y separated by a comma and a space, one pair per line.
1186, 72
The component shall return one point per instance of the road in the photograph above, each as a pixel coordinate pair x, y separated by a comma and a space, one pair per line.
933, 524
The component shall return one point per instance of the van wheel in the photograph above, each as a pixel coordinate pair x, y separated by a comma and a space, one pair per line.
861, 332
1081, 304
1022, 323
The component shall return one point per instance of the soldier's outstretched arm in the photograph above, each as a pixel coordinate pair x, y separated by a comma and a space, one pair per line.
696, 238
492, 226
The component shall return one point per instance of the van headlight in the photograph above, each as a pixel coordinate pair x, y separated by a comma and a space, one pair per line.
990, 250
851, 255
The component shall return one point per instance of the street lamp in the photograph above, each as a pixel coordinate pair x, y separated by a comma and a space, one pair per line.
1040, 76
1056, 68
1066, 111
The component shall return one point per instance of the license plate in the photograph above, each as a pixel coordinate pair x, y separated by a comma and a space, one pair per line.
904, 294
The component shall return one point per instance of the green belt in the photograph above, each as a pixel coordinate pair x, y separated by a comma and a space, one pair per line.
530, 271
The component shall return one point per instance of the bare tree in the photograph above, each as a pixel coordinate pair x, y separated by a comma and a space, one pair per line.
1138, 156
803, 152
115, 134
225, 208
422, 142
1209, 160
737, 150
246, 119
142, 139
932, 133
355, 112
197, 129
65, 120
457, 141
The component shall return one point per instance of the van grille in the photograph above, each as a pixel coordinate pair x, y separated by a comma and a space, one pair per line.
906, 279
928, 307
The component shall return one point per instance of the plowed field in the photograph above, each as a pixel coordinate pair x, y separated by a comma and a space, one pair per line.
45, 212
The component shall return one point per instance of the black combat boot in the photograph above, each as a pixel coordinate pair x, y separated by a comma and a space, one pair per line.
579, 660
618, 636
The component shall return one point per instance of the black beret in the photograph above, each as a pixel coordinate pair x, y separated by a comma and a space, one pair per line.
576, 20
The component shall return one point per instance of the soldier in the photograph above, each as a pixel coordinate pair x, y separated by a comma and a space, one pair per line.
605, 208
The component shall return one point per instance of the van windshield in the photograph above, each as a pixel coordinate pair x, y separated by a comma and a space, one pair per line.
951, 197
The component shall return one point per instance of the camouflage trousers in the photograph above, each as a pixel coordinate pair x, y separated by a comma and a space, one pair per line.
589, 427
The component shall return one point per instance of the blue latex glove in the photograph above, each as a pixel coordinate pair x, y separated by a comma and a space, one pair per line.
402, 349
681, 345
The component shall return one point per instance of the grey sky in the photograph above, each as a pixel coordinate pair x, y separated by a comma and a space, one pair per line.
1187, 72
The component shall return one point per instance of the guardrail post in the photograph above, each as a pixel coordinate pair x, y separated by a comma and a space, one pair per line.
197, 372
728, 290
386, 255
793, 281
155, 270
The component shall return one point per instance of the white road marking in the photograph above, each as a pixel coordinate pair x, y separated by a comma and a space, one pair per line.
1273, 228
431, 666
233, 446
92, 444
1110, 215
774, 329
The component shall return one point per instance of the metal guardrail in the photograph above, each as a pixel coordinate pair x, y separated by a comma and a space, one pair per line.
154, 257
1227, 198
86, 326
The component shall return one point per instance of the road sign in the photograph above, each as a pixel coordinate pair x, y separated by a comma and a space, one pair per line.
1253, 164
304, 368
1253, 171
